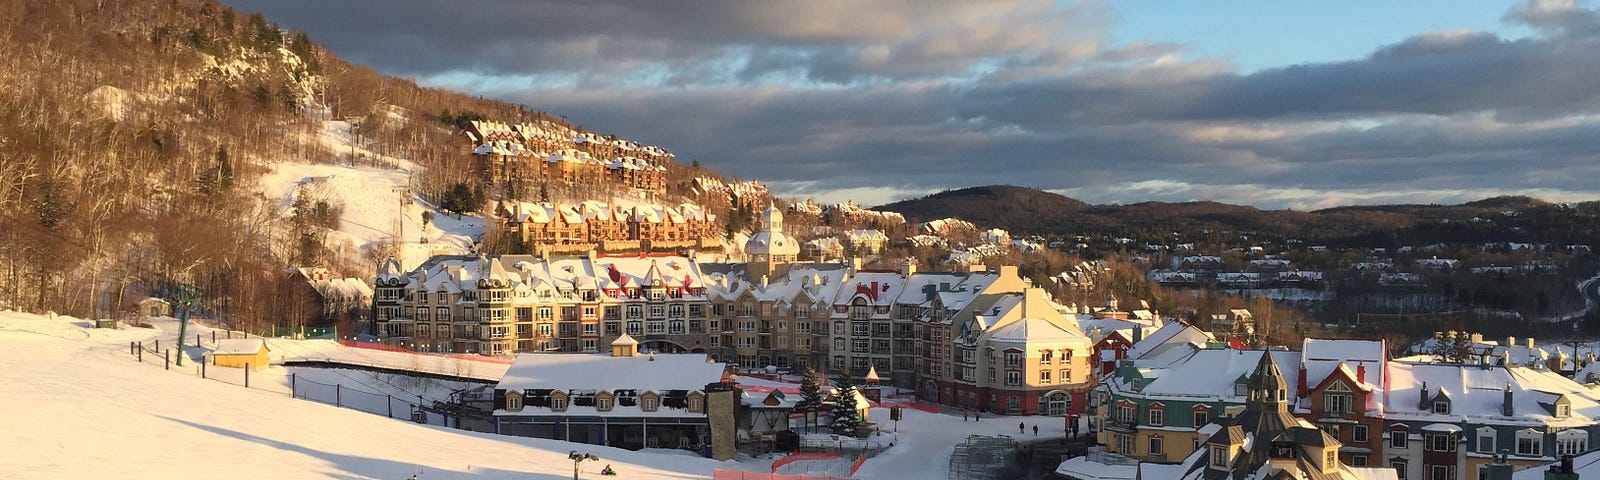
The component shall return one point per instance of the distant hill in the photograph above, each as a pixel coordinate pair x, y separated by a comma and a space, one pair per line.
1030, 211
995, 204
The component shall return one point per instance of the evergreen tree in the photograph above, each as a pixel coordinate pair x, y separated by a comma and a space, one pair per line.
224, 168
845, 421
810, 391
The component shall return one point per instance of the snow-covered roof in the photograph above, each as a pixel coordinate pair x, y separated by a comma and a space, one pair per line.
239, 346
1207, 374
1477, 392
1167, 337
601, 371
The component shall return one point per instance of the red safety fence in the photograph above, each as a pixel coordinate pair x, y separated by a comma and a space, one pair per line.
801, 456
719, 474
857, 465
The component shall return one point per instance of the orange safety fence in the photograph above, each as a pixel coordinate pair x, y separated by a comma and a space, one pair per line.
857, 465
720, 474
800, 456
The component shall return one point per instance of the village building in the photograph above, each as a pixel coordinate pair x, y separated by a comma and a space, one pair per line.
1449, 420
1016, 354
504, 304
527, 155
622, 399
324, 299
576, 228
1257, 438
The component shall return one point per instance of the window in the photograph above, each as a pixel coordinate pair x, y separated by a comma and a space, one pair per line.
1440, 472
1440, 443
1486, 440
1158, 415
1562, 411
1331, 428
513, 403
1358, 434
545, 313
1125, 444
1330, 458
558, 404
860, 329
1441, 408
694, 404
697, 311
1399, 469
1044, 377
1156, 448
1571, 442
1013, 378
1358, 460
1530, 442
635, 311
1045, 357
649, 404
1397, 438
675, 311
603, 404
590, 328
1013, 359
1219, 456
1066, 376
443, 313
1336, 403
589, 345
1202, 416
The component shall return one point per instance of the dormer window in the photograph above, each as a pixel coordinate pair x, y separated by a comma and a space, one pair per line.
1219, 457
1442, 408
1563, 411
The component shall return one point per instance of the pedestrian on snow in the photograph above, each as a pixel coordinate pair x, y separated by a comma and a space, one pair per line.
963, 414
1019, 428
1035, 430
977, 415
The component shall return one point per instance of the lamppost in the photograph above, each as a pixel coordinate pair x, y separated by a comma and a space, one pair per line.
578, 458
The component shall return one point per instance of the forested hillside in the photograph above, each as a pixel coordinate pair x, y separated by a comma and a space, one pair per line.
133, 133
1029, 211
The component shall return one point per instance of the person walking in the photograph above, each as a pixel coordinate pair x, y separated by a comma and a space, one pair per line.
1019, 428
1035, 430
963, 414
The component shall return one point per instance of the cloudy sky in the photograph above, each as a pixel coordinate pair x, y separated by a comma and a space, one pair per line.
1306, 105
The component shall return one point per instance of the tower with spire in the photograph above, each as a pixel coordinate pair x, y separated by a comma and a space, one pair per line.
770, 250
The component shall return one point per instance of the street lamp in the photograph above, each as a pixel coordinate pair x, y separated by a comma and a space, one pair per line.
578, 458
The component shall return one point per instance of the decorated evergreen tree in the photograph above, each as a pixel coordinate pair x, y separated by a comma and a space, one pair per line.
810, 391
845, 421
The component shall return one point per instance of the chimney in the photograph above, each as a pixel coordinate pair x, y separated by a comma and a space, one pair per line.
1477, 338
1530, 343
1510, 341
1423, 404
1361, 372
763, 282
855, 265
1138, 333
909, 268
1506, 405
1301, 390
1505, 357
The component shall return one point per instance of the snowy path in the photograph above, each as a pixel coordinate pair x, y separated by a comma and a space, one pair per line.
922, 448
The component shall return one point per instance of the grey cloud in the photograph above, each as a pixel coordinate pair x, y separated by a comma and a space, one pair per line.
773, 93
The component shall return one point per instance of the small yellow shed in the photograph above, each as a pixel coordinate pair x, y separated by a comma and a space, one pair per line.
239, 352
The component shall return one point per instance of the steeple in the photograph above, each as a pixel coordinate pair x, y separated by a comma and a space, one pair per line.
1267, 386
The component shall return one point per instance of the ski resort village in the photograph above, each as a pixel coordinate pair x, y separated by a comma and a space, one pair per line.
228, 252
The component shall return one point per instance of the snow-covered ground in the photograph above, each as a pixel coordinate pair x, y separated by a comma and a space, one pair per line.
377, 206
78, 407
81, 407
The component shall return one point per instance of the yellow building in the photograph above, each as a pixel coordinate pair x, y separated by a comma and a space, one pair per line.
240, 353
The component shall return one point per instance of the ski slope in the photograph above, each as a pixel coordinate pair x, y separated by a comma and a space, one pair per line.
79, 407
